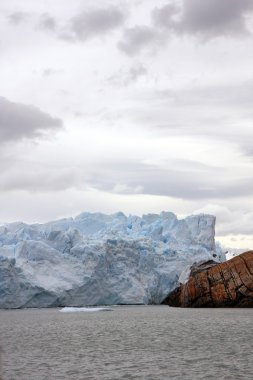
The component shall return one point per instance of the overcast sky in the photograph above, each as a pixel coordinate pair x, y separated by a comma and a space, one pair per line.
135, 105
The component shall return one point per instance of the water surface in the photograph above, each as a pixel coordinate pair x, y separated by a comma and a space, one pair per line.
135, 342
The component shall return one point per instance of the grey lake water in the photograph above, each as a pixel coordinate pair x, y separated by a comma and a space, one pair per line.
130, 342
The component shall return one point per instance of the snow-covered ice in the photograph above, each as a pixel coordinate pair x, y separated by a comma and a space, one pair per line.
97, 259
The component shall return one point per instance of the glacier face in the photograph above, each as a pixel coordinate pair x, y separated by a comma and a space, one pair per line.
97, 259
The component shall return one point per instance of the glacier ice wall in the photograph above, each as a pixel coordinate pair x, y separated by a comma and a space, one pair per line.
97, 259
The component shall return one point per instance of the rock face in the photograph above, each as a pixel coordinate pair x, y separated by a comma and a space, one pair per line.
97, 259
229, 284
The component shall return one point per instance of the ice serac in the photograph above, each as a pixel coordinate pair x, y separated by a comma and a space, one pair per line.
97, 259
228, 284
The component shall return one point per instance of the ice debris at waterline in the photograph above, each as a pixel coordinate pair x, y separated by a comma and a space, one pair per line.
97, 259
83, 309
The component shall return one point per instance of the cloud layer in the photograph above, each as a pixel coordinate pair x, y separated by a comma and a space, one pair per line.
18, 121
97, 22
207, 19
156, 101
204, 20
135, 39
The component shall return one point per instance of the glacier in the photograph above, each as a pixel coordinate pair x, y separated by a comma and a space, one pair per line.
96, 259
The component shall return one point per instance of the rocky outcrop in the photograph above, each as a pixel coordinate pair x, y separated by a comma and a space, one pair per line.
228, 284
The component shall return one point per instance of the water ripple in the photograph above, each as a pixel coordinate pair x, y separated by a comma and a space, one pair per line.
142, 342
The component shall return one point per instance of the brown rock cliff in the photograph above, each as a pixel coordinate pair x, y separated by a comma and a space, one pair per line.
229, 284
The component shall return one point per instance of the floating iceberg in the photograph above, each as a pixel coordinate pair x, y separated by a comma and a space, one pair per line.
97, 259
83, 309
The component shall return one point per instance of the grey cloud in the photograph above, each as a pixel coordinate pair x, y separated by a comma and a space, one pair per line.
47, 22
232, 95
49, 72
189, 181
137, 38
44, 21
126, 77
202, 18
38, 178
219, 111
18, 17
207, 19
137, 71
247, 147
18, 121
164, 16
215, 17
96, 22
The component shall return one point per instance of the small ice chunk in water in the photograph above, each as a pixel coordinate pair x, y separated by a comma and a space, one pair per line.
83, 309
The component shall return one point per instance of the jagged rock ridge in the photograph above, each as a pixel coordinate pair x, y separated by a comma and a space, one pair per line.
97, 259
229, 284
